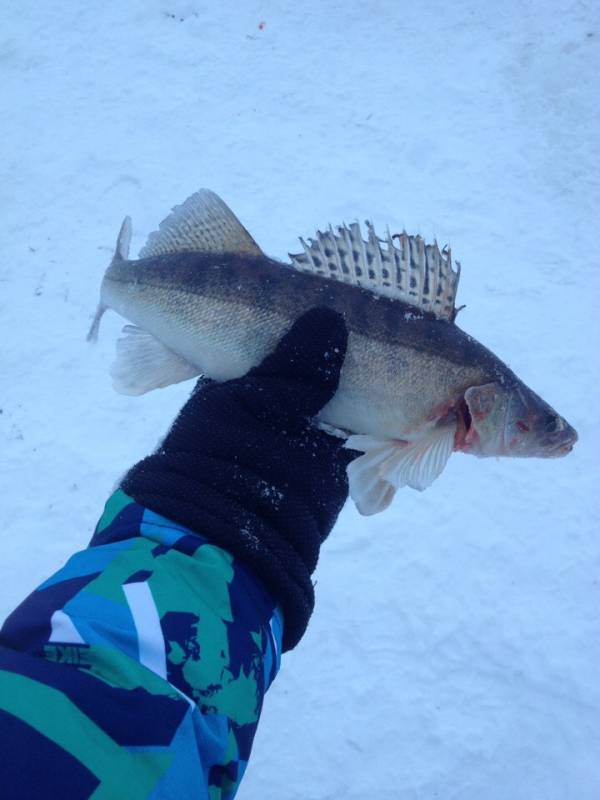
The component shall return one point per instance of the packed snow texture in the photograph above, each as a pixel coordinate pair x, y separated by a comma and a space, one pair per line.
455, 645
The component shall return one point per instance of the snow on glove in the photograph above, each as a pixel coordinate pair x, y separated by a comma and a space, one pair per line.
244, 466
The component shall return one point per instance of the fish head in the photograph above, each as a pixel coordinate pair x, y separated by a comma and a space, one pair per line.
508, 419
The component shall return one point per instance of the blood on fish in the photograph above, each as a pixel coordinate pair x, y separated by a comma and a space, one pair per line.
463, 427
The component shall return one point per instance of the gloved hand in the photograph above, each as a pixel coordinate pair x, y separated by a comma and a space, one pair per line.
244, 466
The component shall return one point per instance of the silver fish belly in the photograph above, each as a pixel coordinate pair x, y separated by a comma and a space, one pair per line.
223, 315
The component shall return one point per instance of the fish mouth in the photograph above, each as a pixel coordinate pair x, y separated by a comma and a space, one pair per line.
556, 437
494, 422
563, 443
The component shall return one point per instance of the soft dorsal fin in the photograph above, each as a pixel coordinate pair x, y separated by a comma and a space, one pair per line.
203, 223
411, 271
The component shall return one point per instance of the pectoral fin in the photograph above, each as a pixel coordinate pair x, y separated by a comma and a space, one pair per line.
143, 363
389, 464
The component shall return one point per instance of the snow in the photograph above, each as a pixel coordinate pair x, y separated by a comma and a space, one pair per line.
455, 645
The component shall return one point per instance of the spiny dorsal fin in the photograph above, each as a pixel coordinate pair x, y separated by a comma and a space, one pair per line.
203, 223
411, 271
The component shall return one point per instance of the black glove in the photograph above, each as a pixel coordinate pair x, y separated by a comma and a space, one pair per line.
244, 466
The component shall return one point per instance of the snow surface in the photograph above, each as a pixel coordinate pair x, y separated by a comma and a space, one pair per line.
454, 651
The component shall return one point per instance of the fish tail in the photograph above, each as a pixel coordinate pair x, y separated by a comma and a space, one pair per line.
95, 326
123, 241
121, 254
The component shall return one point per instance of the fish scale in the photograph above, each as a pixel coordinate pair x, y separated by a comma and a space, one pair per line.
413, 387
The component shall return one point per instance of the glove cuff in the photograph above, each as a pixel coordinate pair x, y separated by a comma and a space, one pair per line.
159, 483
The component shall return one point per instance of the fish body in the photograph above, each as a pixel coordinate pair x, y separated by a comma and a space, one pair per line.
413, 388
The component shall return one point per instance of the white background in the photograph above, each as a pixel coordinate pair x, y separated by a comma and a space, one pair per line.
455, 648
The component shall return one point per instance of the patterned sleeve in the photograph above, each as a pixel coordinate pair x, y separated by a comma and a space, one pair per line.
139, 669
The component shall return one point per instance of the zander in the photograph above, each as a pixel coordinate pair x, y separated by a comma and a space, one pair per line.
205, 299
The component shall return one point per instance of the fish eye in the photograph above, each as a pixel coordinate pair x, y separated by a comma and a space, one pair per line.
550, 423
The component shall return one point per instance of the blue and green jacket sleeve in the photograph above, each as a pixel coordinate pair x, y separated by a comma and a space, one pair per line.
138, 670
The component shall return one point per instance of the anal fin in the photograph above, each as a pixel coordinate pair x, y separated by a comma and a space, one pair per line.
388, 464
143, 363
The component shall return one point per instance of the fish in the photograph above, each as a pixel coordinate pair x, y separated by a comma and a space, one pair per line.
203, 299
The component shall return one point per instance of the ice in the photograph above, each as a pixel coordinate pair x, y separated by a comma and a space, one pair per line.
455, 645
